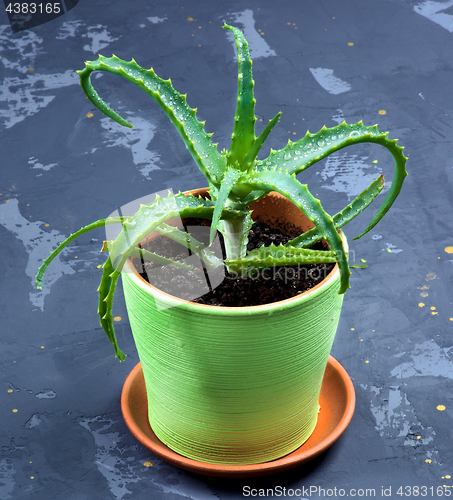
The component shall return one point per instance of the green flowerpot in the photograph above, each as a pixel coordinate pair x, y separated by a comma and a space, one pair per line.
235, 385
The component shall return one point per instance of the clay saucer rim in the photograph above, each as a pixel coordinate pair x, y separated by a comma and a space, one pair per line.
337, 401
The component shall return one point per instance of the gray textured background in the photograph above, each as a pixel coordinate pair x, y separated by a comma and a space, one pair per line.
61, 170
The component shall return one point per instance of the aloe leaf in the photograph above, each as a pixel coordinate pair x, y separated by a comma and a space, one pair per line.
198, 142
255, 149
235, 235
297, 193
106, 292
281, 255
185, 239
228, 181
244, 126
149, 217
72, 237
348, 213
298, 156
146, 255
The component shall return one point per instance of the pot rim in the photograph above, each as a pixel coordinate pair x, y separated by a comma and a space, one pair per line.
244, 310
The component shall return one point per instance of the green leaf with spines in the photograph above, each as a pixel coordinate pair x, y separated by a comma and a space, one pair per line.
243, 136
300, 155
106, 292
198, 142
147, 256
229, 180
72, 237
150, 216
278, 255
363, 200
185, 239
287, 185
249, 159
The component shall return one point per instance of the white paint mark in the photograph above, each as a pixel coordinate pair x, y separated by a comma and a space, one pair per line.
396, 419
33, 422
428, 360
47, 394
25, 94
23, 97
329, 82
136, 140
115, 462
38, 244
258, 47
33, 161
156, 20
433, 12
68, 29
338, 117
390, 248
115, 470
348, 174
19, 52
7, 482
100, 38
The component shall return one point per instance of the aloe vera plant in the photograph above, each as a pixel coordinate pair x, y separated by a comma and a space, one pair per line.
236, 179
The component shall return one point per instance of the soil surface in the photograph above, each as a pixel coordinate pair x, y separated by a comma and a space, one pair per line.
218, 287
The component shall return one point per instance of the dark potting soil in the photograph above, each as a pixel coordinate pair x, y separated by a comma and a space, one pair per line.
216, 286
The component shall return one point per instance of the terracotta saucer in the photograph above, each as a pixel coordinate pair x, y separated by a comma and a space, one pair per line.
337, 402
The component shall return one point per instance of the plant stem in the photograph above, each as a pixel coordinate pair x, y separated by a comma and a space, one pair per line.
235, 234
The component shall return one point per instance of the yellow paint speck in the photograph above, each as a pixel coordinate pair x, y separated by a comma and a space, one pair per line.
46, 225
441, 407
449, 249
428, 461
148, 464
352, 329
433, 308
350, 44
382, 112
366, 361
375, 161
32, 477
419, 437
424, 294
451, 319
420, 304
100, 265
31, 69
190, 19
430, 276
15, 410
6, 201
10, 390
42, 347
117, 318
89, 115
363, 261
434, 313
389, 250
448, 476
361, 340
